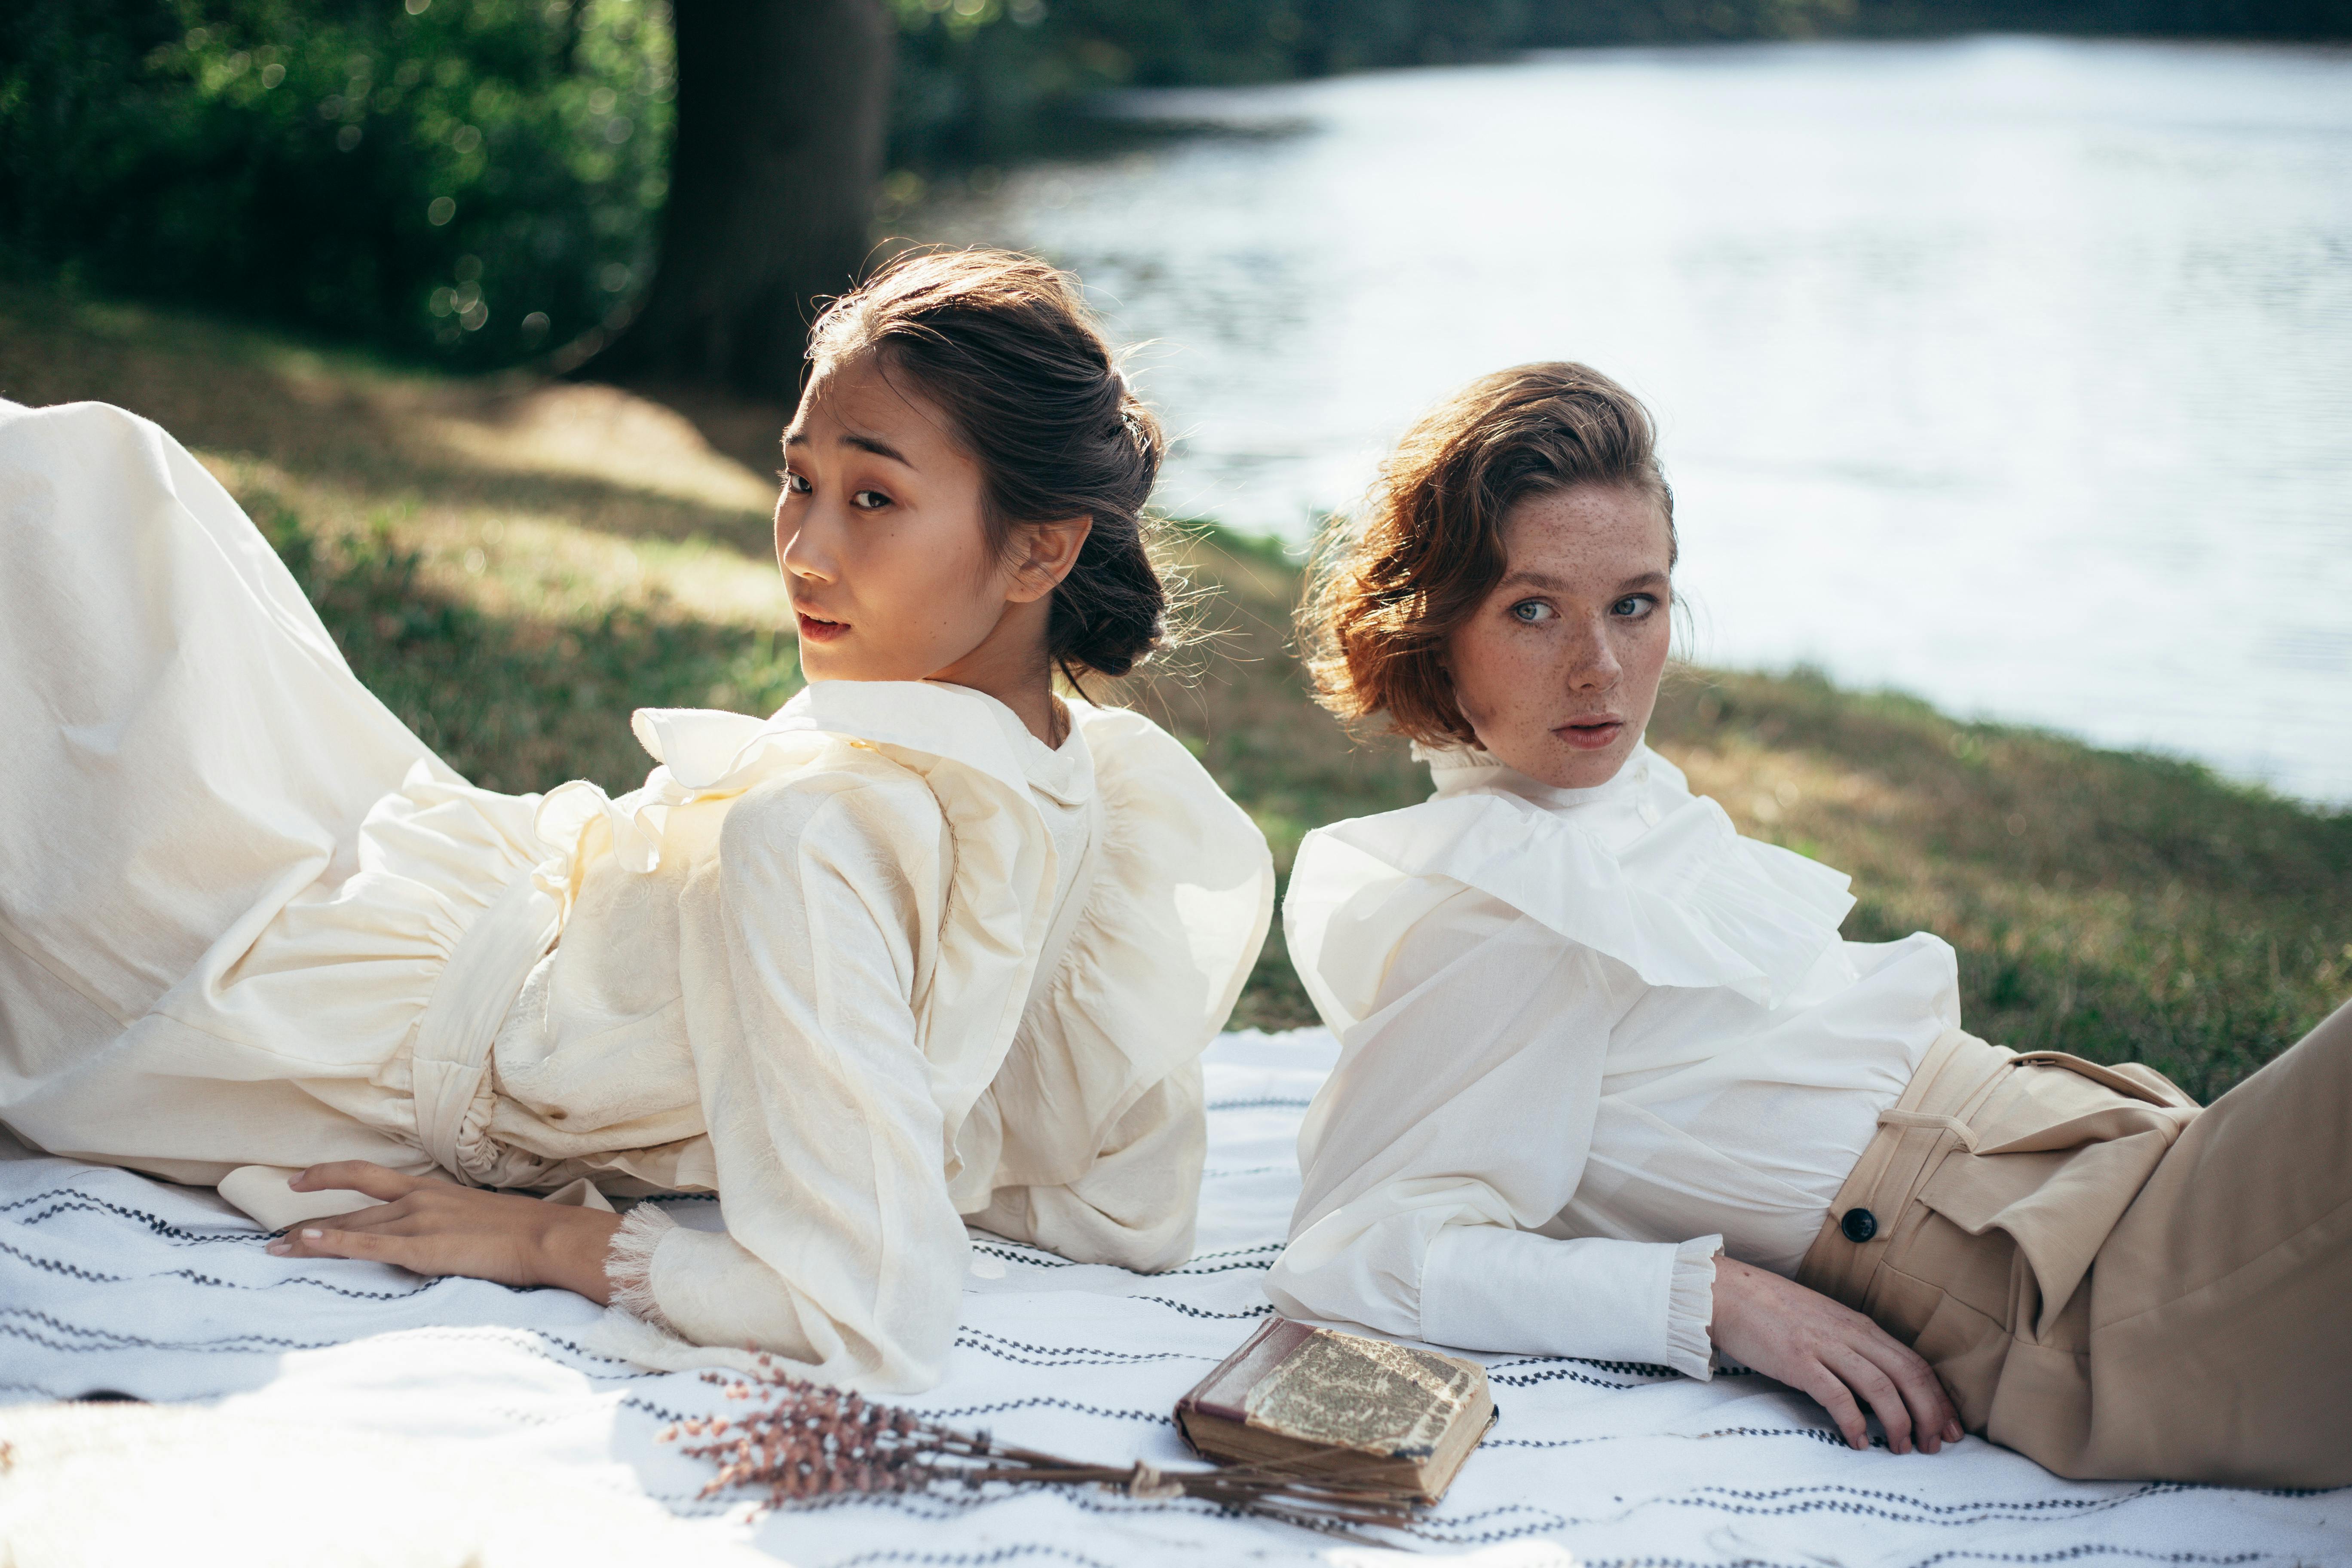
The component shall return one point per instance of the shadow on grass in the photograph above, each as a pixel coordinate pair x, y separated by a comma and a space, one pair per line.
393, 434
516, 705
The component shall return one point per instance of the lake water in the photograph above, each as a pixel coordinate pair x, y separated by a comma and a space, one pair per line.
2015, 373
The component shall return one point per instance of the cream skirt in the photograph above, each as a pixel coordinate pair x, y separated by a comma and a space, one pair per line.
229, 877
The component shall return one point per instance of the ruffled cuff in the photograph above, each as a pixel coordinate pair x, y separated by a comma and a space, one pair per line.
629, 1264
1690, 1308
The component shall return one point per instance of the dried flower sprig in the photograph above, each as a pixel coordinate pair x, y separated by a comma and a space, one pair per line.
804, 1441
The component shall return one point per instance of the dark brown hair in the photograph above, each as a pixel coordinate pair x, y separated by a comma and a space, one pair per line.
1394, 582
1005, 347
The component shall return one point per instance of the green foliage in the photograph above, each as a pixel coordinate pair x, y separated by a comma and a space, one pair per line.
473, 178
480, 180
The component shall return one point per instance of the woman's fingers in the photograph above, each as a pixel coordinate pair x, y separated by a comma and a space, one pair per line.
1933, 1421
1834, 1353
294, 1243
1863, 1375
1829, 1391
357, 1176
1901, 1388
306, 1241
367, 1245
396, 1217
442, 1228
309, 1241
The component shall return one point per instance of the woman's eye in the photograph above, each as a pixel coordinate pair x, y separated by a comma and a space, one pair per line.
1634, 606
1531, 611
868, 500
797, 484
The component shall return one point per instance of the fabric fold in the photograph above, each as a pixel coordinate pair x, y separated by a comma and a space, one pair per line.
1178, 930
1689, 903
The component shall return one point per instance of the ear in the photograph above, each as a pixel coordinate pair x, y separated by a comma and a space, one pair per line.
1048, 551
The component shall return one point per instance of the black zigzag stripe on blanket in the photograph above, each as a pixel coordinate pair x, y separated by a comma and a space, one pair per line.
111, 1281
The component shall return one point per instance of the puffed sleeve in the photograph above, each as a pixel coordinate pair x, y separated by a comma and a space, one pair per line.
1134, 1207
1093, 1134
842, 1249
1456, 1124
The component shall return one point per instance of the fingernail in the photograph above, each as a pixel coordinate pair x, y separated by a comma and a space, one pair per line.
280, 1247
313, 1234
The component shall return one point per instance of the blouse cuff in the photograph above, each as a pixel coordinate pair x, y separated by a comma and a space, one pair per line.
1493, 1288
1690, 1308
629, 1264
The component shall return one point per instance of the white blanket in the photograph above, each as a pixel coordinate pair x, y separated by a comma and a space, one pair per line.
351, 1412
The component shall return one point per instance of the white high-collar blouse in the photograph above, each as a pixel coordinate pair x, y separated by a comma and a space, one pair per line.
1588, 1038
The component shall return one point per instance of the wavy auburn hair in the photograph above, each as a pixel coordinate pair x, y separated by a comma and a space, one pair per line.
1393, 583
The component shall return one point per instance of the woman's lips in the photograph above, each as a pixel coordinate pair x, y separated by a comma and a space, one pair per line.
814, 630
1591, 736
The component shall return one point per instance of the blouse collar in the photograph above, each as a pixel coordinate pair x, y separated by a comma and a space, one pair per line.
1455, 770
702, 750
1063, 773
1638, 869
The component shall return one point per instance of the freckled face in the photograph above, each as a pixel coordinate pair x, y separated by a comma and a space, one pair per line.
880, 533
1558, 669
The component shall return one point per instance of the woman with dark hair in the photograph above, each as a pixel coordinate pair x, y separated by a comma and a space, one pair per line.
1611, 1085
931, 945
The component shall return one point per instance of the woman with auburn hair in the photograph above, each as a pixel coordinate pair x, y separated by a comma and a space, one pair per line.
931, 945
1611, 1085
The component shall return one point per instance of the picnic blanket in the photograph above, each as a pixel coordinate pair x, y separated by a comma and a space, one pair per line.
330, 1412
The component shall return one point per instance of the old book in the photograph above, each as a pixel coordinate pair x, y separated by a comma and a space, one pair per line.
1328, 1403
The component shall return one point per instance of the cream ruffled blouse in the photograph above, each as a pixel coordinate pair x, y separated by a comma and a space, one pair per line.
1588, 1038
870, 968
800, 967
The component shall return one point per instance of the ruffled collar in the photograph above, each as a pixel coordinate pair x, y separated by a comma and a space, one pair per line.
704, 753
702, 750
1638, 869
1458, 770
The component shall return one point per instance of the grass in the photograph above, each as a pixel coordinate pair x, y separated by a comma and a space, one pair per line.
513, 565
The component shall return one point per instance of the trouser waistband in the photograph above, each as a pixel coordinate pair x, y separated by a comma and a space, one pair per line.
1934, 1119
1929, 1121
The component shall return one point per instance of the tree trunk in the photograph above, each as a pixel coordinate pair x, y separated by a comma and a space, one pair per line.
783, 107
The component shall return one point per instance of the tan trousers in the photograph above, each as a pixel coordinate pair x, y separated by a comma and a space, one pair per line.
2107, 1278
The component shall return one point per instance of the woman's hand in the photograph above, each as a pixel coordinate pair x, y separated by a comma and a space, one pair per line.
430, 1226
1837, 1355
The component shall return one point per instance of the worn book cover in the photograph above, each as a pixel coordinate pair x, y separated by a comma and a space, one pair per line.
1336, 1404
